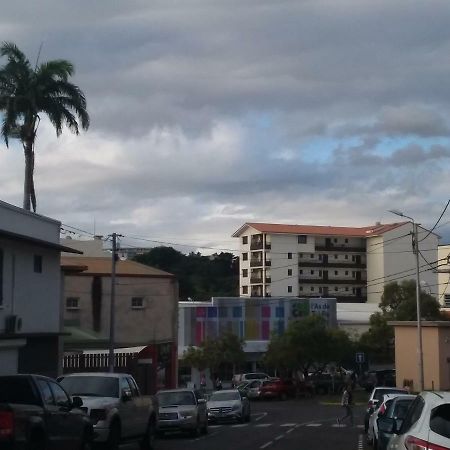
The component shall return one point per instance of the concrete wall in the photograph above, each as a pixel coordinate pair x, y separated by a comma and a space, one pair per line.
157, 321
282, 244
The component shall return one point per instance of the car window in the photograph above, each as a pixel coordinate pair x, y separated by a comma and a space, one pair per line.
176, 398
60, 396
95, 386
224, 396
440, 420
198, 395
413, 414
47, 395
133, 387
17, 390
124, 386
401, 408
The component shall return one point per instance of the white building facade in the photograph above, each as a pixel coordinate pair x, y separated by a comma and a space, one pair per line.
351, 264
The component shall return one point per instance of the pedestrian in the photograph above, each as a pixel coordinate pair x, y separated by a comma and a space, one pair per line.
202, 382
218, 384
347, 404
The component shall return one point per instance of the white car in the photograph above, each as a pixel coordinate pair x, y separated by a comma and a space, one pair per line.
426, 425
228, 405
372, 432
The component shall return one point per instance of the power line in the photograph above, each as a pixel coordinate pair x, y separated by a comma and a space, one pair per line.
436, 224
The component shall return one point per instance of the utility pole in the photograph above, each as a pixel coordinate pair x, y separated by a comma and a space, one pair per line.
419, 319
112, 315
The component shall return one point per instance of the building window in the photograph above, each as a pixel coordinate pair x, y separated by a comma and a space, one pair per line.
38, 263
335, 256
346, 256
312, 255
354, 274
289, 255
447, 300
72, 303
300, 255
336, 272
353, 290
312, 288
335, 289
301, 288
244, 240
320, 289
353, 258
244, 256
346, 272
346, 241
312, 272
245, 289
335, 240
289, 272
137, 302
301, 239
320, 257
346, 288
320, 273
289, 288
300, 271
244, 273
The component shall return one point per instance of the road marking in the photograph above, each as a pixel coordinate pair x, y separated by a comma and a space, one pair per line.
215, 426
266, 444
290, 430
239, 425
339, 425
281, 436
261, 416
290, 425
360, 442
314, 425
359, 426
262, 425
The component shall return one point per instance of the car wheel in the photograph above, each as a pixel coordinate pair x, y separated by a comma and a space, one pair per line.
148, 442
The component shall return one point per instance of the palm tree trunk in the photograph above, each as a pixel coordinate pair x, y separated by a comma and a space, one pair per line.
28, 180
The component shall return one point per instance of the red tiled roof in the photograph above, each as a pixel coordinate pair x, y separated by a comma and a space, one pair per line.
373, 230
102, 266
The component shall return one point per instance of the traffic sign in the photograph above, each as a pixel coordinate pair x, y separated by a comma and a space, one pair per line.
360, 357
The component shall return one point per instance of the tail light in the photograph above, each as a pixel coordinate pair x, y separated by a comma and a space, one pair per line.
413, 443
6, 424
382, 409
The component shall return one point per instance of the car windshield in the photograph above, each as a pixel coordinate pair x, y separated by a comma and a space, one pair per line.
224, 396
17, 390
380, 393
91, 386
176, 398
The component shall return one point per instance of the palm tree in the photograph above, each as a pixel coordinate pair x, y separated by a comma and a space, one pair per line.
25, 93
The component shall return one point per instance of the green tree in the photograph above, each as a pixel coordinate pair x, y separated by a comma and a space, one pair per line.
307, 343
25, 93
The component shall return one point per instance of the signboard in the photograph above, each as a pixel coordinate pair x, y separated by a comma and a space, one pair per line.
360, 358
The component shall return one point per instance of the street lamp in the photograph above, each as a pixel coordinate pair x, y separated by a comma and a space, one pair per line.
415, 245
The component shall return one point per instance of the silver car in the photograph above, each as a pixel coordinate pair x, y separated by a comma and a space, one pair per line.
228, 405
182, 410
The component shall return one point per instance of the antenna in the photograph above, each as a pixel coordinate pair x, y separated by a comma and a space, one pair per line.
39, 55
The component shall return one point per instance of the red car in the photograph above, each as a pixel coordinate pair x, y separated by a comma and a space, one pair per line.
281, 389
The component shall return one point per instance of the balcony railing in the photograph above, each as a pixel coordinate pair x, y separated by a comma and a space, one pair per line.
256, 280
340, 248
332, 264
331, 281
259, 263
258, 245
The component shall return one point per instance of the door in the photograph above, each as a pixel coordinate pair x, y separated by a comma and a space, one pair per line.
127, 409
69, 419
325, 275
53, 420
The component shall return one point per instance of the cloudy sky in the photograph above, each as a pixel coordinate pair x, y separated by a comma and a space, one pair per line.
209, 113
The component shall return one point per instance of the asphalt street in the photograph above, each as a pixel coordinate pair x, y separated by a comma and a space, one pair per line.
290, 425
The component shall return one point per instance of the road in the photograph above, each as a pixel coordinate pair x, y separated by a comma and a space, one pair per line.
290, 425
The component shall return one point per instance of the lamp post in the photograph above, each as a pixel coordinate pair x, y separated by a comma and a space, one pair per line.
415, 246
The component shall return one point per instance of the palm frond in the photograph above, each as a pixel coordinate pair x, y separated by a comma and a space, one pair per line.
55, 69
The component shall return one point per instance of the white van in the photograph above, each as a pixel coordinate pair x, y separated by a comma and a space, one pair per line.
245, 377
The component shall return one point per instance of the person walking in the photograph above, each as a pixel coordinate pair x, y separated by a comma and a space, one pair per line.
347, 404
218, 384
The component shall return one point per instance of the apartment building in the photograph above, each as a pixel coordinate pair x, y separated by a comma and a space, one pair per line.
348, 263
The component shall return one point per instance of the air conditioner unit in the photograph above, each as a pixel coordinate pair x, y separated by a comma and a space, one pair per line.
13, 324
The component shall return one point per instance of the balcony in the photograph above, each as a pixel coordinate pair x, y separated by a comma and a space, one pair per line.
331, 281
340, 248
331, 264
256, 280
259, 263
258, 245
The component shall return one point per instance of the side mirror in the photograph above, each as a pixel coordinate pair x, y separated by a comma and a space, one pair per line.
201, 401
77, 402
126, 395
387, 425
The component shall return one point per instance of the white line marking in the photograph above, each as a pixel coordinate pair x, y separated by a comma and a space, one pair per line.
360, 442
262, 425
314, 425
288, 425
261, 416
339, 425
239, 425
266, 444
360, 426
215, 426
281, 436
290, 430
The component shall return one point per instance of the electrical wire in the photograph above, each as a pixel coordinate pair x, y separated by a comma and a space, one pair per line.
437, 223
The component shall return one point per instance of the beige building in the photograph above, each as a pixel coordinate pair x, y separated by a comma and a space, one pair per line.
146, 301
444, 275
349, 263
436, 354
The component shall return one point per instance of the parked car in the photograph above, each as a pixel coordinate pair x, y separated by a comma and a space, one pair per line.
228, 405
242, 377
426, 425
281, 389
116, 407
37, 413
325, 383
397, 410
182, 410
252, 389
375, 397
385, 377
381, 409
